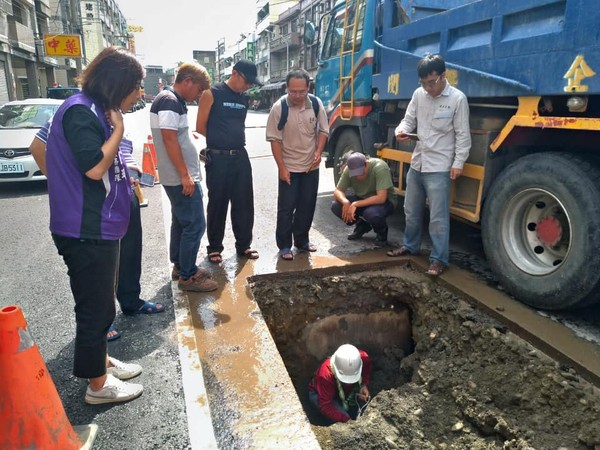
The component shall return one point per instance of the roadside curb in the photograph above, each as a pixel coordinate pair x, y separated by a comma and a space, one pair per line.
199, 420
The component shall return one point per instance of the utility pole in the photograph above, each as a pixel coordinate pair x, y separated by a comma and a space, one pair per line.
76, 18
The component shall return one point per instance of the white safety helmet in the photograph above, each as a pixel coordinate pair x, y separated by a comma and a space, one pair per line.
347, 364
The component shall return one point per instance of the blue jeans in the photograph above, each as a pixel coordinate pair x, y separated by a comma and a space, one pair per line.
187, 227
434, 186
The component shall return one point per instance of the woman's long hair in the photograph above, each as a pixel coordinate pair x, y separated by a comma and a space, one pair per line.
111, 77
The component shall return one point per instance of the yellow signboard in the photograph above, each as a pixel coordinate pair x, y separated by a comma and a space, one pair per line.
68, 45
135, 29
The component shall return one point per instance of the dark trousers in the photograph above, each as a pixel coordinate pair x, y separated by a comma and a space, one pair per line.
229, 179
374, 215
130, 262
92, 269
296, 208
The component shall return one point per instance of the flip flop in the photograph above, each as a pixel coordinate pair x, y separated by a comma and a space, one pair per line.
249, 253
147, 308
114, 337
215, 257
400, 251
308, 247
286, 254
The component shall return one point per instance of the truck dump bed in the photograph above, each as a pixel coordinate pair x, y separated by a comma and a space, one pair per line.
493, 48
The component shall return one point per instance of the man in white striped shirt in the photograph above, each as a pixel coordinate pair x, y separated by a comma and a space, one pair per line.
440, 113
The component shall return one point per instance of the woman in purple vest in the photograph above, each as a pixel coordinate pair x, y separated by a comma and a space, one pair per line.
89, 193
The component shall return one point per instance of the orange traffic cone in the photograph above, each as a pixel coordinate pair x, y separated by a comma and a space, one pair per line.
152, 150
148, 164
31, 413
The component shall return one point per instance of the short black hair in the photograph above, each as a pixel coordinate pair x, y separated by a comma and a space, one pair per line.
111, 77
430, 64
297, 73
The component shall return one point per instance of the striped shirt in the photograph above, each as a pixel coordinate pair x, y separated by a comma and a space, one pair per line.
169, 112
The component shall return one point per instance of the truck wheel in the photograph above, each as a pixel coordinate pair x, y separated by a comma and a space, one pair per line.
541, 230
348, 142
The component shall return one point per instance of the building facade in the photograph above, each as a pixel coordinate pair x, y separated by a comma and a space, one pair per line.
25, 69
277, 44
208, 58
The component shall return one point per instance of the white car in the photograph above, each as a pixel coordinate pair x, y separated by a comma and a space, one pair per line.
19, 122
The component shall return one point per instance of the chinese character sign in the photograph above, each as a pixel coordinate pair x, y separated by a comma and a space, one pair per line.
393, 83
250, 51
68, 45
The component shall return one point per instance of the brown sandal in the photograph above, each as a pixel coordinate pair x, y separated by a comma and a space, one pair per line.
436, 268
215, 257
249, 253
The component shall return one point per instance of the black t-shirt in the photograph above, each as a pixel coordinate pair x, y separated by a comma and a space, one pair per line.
84, 135
225, 129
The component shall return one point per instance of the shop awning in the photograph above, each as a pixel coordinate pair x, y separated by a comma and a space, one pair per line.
272, 86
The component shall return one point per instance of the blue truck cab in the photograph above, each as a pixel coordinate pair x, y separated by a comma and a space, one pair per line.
529, 70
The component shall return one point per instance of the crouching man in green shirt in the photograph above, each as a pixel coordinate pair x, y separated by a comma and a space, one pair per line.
372, 199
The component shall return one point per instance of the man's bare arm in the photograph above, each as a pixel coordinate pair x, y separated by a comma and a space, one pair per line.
205, 104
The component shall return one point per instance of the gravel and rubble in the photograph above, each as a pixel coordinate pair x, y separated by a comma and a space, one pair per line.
466, 382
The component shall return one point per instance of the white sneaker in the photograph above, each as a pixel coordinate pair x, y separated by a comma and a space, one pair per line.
123, 371
113, 391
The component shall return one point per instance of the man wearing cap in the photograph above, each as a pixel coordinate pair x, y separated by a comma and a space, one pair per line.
340, 383
221, 118
297, 146
373, 198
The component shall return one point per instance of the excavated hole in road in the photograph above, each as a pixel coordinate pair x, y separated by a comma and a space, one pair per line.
445, 375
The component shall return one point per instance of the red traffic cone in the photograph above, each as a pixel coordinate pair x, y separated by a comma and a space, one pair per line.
148, 164
31, 413
152, 150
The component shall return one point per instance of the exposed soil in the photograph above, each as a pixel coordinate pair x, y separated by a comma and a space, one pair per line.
464, 382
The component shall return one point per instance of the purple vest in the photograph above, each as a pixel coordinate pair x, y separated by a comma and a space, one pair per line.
79, 206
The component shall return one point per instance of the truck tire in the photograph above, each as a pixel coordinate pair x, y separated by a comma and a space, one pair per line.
541, 230
348, 142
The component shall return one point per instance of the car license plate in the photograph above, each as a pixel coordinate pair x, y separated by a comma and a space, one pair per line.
11, 167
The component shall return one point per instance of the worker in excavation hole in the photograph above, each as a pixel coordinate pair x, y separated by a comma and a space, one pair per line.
340, 383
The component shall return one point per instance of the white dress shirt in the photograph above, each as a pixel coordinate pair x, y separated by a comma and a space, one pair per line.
443, 129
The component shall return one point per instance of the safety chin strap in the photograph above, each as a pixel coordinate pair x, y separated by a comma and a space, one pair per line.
341, 388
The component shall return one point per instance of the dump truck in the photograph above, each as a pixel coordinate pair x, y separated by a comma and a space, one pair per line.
529, 70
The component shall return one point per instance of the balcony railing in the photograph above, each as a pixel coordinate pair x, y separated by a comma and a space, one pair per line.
20, 36
44, 7
3, 31
289, 13
6, 6
291, 40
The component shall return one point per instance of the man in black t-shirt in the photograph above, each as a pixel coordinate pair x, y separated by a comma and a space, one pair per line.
221, 119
